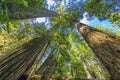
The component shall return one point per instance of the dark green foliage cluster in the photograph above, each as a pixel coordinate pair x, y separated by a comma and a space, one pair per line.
17, 6
115, 18
30, 3
96, 7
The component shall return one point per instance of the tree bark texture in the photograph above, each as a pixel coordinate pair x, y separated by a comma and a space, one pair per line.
47, 68
12, 66
105, 46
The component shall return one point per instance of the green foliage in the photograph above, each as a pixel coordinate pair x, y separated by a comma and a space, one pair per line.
108, 30
19, 33
69, 45
16, 7
115, 18
76, 63
35, 3
99, 9
66, 18
26, 3
62, 21
96, 7
17, 1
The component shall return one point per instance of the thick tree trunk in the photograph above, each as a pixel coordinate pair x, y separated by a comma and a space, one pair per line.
47, 68
106, 47
12, 66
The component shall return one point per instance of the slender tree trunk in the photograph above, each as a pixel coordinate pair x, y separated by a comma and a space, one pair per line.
85, 68
72, 71
47, 68
87, 72
12, 66
106, 47
31, 13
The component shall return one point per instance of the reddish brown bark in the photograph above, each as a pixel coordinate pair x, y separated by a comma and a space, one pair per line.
105, 46
18, 62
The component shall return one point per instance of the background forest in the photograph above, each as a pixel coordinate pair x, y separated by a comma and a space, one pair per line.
60, 51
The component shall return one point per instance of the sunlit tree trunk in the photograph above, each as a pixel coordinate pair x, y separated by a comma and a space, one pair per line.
12, 66
106, 47
85, 66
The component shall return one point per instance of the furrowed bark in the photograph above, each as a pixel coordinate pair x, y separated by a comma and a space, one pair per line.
12, 66
105, 46
37, 61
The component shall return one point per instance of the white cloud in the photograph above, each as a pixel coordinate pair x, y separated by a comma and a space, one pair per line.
85, 18
85, 21
50, 2
43, 19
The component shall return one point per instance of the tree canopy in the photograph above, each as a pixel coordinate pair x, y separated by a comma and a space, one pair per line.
67, 52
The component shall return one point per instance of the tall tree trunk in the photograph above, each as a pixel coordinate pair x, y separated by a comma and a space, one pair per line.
37, 61
106, 47
12, 66
47, 68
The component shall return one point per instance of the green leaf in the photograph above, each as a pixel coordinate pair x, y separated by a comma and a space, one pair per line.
25, 3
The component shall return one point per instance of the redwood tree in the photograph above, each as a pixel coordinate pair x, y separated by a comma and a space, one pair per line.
18, 62
105, 46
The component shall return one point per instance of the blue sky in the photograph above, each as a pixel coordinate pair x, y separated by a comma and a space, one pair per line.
43, 19
84, 20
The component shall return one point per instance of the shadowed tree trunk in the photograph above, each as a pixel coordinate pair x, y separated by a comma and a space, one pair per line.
31, 13
106, 47
12, 66
37, 61
47, 68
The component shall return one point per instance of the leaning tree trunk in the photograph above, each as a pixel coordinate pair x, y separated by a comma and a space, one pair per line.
106, 47
47, 68
19, 11
31, 13
12, 66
